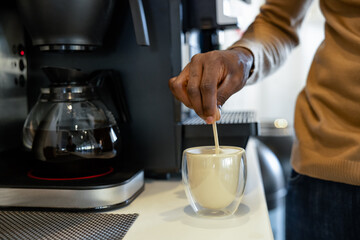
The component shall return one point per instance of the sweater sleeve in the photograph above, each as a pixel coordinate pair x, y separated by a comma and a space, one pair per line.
273, 34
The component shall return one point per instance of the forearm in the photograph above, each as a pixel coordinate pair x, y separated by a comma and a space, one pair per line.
273, 34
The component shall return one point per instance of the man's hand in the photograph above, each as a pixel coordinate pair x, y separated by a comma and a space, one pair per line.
210, 79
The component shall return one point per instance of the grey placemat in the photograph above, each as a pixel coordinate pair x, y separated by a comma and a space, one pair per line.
60, 225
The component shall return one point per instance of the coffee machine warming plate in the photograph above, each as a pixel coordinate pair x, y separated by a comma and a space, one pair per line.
18, 190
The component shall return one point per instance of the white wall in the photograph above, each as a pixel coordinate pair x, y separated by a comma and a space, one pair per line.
275, 96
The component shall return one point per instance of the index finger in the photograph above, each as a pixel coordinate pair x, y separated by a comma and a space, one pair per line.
178, 86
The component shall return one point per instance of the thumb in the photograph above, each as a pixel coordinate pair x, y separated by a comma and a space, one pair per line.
218, 113
214, 118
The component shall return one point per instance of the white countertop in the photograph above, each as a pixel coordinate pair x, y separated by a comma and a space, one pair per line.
164, 212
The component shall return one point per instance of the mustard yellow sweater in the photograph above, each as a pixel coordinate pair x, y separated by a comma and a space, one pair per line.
327, 114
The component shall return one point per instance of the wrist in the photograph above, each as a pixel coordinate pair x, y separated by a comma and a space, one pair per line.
246, 58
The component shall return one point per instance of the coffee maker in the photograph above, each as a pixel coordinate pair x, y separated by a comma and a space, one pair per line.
108, 42
132, 48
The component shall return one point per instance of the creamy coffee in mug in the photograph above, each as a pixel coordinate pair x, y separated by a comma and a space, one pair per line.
214, 176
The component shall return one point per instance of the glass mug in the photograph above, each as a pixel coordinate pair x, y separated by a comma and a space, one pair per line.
214, 181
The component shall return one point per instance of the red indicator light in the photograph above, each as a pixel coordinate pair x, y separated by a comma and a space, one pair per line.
22, 53
31, 175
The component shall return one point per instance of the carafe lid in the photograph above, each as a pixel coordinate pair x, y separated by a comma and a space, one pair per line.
68, 93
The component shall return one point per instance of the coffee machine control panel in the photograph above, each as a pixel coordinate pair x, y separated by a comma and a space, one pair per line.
13, 75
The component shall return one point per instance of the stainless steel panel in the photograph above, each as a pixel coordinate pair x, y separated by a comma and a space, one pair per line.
90, 198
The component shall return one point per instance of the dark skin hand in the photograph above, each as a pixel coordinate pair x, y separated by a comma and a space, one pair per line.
210, 79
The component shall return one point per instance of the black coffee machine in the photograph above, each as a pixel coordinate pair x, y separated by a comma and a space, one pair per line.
65, 55
131, 65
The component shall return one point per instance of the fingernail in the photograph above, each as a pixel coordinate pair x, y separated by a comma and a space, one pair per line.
209, 120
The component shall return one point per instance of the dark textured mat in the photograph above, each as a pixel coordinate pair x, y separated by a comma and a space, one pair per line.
60, 225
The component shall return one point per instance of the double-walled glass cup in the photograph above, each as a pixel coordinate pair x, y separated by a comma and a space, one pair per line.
214, 181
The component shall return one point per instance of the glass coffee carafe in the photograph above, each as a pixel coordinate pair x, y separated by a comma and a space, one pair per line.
69, 130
